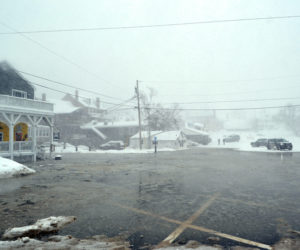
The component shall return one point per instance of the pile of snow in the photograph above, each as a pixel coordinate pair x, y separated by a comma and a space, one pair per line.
48, 225
9, 168
66, 242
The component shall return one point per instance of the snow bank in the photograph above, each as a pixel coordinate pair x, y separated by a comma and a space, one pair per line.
50, 224
9, 168
65, 242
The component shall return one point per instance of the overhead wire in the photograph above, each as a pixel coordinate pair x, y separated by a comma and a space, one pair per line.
223, 109
58, 55
241, 92
63, 92
222, 81
151, 25
68, 85
231, 101
116, 107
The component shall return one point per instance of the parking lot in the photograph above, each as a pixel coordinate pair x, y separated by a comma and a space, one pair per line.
215, 196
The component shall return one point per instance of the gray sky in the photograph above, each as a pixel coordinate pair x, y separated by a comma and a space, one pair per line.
184, 63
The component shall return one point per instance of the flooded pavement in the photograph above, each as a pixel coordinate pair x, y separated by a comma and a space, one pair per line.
214, 196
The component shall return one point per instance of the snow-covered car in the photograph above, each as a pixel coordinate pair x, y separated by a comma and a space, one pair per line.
118, 145
279, 144
263, 142
232, 138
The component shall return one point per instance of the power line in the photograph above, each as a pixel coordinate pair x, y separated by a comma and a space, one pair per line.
221, 109
150, 25
240, 92
68, 85
115, 108
59, 91
216, 109
224, 81
58, 55
230, 101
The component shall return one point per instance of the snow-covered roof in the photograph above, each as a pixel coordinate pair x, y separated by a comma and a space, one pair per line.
97, 124
192, 131
62, 107
145, 134
87, 102
168, 135
198, 124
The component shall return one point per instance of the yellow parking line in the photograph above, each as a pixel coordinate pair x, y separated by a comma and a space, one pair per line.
190, 220
249, 203
202, 229
231, 237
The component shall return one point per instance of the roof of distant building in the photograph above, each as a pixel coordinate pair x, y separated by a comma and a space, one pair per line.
192, 131
144, 134
116, 124
169, 135
62, 107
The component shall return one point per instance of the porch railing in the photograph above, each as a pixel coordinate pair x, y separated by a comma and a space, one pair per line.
4, 146
18, 146
22, 146
21, 103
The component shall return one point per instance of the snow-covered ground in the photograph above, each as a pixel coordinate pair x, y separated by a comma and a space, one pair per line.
9, 168
59, 148
249, 136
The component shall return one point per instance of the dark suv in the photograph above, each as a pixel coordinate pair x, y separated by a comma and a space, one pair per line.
279, 144
263, 142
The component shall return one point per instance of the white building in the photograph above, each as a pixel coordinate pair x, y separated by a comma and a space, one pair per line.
165, 139
22, 117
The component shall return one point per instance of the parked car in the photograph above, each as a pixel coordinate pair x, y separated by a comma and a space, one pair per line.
263, 142
232, 138
279, 144
118, 145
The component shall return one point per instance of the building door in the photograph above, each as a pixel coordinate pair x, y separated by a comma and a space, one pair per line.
1, 136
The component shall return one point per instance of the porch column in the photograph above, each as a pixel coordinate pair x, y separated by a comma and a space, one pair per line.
11, 139
51, 140
34, 129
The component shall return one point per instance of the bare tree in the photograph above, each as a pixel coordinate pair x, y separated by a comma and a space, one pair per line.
156, 115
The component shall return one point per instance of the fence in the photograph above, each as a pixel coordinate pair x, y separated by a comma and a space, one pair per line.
18, 146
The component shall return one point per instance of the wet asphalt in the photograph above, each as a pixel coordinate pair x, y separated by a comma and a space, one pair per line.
145, 197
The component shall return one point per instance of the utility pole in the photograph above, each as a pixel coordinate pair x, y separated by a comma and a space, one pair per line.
137, 91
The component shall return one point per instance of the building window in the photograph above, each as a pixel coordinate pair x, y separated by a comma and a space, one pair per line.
19, 93
43, 131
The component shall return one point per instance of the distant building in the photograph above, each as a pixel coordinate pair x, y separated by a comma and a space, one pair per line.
165, 139
73, 111
198, 136
107, 131
22, 117
135, 139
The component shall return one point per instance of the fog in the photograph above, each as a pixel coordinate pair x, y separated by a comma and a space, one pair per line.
204, 62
